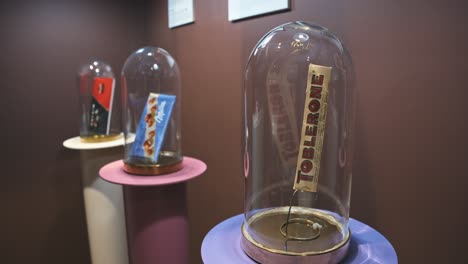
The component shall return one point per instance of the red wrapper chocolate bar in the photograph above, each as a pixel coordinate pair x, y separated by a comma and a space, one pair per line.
101, 105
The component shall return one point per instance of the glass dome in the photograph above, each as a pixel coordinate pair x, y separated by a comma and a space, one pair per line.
151, 96
298, 119
96, 86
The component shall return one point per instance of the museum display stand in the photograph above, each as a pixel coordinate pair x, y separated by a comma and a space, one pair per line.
103, 201
298, 120
223, 245
156, 211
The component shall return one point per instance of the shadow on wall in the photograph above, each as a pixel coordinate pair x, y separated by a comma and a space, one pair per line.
362, 192
66, 238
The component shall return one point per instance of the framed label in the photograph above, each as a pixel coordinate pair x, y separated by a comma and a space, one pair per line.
240, 9
180, 12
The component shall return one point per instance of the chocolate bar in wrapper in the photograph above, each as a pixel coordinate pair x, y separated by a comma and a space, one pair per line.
101, 105
152, 126
313, 128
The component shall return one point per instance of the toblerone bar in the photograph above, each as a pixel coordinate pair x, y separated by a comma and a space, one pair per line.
313, 129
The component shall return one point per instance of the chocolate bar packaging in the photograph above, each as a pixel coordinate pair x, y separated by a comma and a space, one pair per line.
152, 126
101, 105
151, 95
96, 93
298, 120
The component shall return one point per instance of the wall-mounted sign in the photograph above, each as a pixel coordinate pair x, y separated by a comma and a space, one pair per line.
180, 12
239, 9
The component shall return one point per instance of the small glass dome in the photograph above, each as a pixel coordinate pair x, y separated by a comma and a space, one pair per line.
96, 86
151, 96
298, 119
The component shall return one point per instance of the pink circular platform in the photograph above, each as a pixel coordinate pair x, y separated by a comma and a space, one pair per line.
156, 212
113, 172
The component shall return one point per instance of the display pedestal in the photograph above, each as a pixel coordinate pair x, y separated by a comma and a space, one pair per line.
222, 245
103, 202
156, 212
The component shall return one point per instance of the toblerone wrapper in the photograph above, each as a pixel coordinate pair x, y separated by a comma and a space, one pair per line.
313, 129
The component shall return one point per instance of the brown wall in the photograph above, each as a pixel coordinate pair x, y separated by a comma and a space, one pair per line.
411, 164
410, 169
42, 44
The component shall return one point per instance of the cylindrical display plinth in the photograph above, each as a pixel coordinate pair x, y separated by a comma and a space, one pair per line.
157, 224
103, 202
156, 212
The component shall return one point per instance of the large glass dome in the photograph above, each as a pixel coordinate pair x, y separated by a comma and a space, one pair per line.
96, 86
298, 120
151, 96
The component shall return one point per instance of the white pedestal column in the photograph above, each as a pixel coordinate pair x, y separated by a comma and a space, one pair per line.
103, 201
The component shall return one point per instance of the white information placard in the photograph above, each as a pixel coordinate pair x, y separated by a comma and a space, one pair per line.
239, 9
180, 12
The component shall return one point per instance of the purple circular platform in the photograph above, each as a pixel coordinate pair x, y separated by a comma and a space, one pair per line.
367, 246
113, 172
